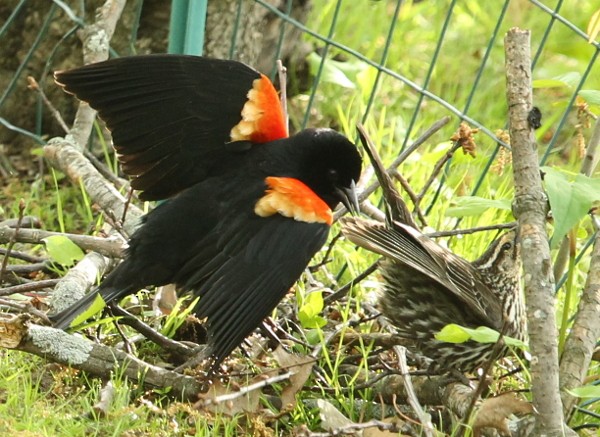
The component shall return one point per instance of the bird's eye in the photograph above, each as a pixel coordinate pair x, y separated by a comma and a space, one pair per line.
332, 174
507, 246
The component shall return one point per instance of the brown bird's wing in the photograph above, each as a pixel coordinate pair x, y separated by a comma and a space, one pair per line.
411, 248
173, 117
396, 208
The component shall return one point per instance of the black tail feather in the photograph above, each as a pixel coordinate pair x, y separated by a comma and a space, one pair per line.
64, 318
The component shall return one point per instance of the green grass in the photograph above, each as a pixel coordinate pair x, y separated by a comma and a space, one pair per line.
39, 399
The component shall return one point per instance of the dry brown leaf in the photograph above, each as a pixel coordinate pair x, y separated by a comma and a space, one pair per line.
376, 432
494, 413
244, 403
331, 418
300, 366
464, 137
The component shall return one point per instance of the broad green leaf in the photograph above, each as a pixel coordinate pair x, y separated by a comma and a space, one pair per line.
548, 83
313, 337
37, 151
569, 201
473, 205
564, 80
332, 73
572, 78
586, 391
454, 333
483, 334
592, 97
62, 250
311, 308
97, 305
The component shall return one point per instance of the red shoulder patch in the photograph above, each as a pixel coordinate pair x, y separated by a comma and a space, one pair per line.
262, 116
292, 198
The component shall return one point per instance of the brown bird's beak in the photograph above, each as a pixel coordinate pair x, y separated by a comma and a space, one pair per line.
349, 198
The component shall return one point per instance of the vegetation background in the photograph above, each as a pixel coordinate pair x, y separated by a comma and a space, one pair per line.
441, 58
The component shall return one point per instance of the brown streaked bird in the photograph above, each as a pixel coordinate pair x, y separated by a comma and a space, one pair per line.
427, 287
248, 206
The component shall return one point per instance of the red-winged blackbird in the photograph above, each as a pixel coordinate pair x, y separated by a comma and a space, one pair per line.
427, 287
248, 206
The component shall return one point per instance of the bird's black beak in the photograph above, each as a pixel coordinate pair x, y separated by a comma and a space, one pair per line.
349, 198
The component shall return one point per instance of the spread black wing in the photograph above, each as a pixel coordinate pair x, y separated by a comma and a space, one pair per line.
248, 274
170, 115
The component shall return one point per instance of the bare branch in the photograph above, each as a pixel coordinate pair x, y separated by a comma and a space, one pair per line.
112, 246
581, 341
530, 208
94, 358
427, 426
78, 280
11, 241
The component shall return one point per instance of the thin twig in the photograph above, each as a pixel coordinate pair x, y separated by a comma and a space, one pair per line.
21, 255
25, 308
126, 343
326, 257
411, 194
112, 247
20, 269
127, 203
28, 287
425, 418
13, 239
151, 334
486, 369
105, 171
282, 73
34, 85
451, 233
346, 288
398, 160
436, 171
247, 389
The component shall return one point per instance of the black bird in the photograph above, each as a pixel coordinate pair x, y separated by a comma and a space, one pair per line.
248, 206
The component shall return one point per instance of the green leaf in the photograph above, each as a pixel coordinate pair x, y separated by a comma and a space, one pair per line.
331, 73
454, 333
571, 79
586, 391
97, 305
548, 83
473, 205
569, 201
313, 337
592, 97
593, 27
62, 250
564, 80
309, 311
